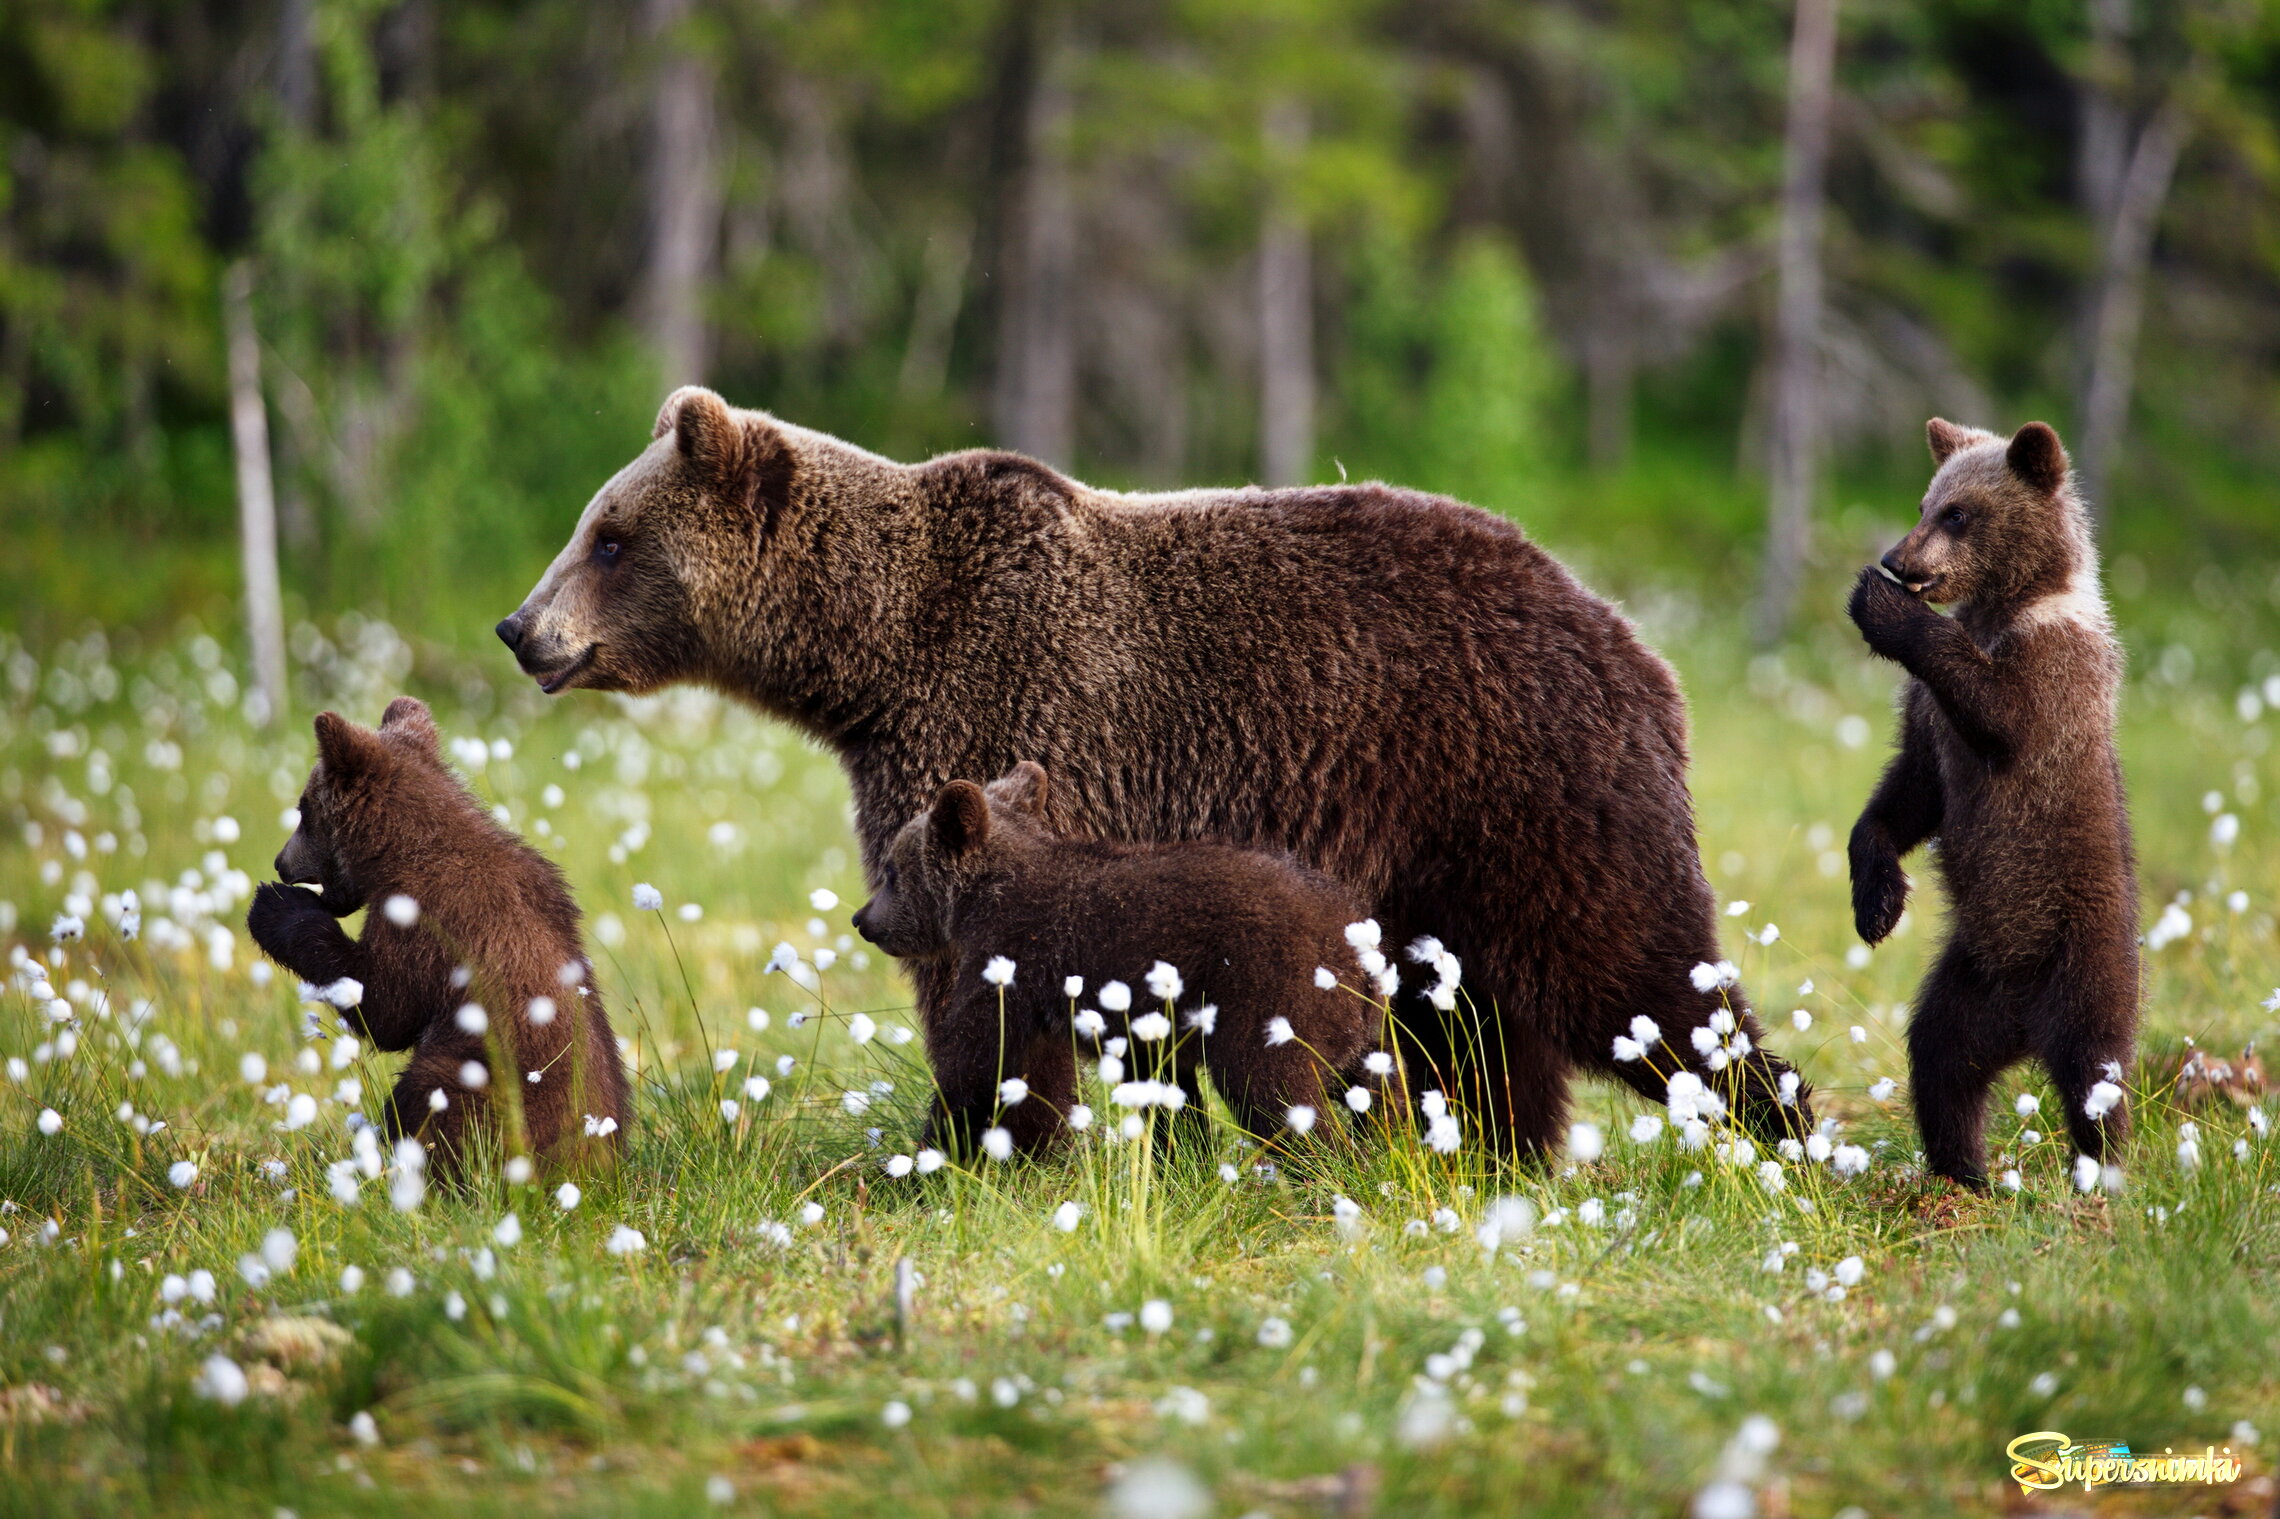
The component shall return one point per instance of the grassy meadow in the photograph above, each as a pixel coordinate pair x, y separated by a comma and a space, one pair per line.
211, 1307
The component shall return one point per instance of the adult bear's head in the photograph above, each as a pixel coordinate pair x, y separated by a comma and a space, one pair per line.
678, 568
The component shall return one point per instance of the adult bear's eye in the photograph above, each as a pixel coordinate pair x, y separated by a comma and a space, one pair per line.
1955, 517
607, 550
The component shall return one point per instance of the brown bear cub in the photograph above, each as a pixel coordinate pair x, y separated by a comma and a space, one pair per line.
2007, 755
473, 934
1248, 948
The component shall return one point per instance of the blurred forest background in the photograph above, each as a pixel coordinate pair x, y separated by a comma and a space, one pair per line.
1648, 275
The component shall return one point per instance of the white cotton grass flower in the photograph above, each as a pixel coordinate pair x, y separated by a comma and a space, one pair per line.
855, 1101
897, 1166
1156, 1316
1378, 1063
1646, 1129
1325, 978
1013, 1092
50, 1121
1088, 1023
1067, 1216
508, 1232
2085, 1174
1204, 1020
1711, 977
625, 1240
1151, 1028
823, 899
999, 971
1881, 1090
221, 1380
401, 910
757, 1088
181, 1174
1115, 997
929, 1161
2026, 1105
1300, 1118
1365, 935
2103, 1099
1164, 982
862, 1028
997, 1144
647, 898
1358, 1099
1275, 1334
1157, 1487
567, 1196
1585, 1143
1279, 1031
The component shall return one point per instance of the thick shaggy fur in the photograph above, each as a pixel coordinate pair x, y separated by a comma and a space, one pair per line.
980, 875
2007, 755
381, 817
1397, 689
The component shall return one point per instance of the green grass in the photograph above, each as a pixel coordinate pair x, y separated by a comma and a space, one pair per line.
1599, 1368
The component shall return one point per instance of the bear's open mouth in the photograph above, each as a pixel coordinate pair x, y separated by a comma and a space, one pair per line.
553, 684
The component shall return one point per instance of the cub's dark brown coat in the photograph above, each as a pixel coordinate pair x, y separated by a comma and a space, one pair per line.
382, 817
2007, 755
1399, 690
981, 875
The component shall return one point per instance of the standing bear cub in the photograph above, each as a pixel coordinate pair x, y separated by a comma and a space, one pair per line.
472, 945
2007, 755
1246, 947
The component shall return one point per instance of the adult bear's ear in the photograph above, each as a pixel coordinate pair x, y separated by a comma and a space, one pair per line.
961, 818
1022, 788
2037, 457
1945, 438
345, 749
740, 457
408, 720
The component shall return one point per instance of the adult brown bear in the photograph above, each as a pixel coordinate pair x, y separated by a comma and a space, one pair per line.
1400, 690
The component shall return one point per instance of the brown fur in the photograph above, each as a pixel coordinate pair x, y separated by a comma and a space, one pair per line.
1397, 689
382, 816
2007, 755
982, 874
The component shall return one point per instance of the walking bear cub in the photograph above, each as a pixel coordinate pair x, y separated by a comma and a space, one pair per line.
2007, 755
472, 943
1250, 948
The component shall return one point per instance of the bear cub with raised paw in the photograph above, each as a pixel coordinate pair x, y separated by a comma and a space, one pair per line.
471, 950
1196, 956
2007, 755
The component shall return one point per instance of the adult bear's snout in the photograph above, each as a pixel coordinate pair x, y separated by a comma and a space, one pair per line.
510, 631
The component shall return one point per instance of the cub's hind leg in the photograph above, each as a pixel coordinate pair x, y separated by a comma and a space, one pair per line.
1964, 1033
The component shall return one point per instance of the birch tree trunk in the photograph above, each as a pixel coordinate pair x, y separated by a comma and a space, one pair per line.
684, 198
1286, 312
257, 505
2118, 298
1795, 442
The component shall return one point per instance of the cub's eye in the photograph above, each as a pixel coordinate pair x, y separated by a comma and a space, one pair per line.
607, 550
1954, 517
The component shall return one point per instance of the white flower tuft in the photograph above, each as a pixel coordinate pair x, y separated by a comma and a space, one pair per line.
1279, 1032
1327, 979
1115, 997
1300, 1118
1164, 982
999, 972
647, 898
1365, 934
997, 1144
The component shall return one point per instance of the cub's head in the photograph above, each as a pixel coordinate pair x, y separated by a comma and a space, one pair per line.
2000, 522
354, 802
968, 836
624, 605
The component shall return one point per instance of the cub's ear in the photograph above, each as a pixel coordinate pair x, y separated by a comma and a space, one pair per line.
1945, 438
408, 719
961, 818
741, 458
2037, 457
1022, 788
345, 749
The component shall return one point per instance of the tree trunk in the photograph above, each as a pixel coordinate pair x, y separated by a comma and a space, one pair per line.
1286, 313
1794, 454
257, 507
1036, 390
2117, 299
684, 198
